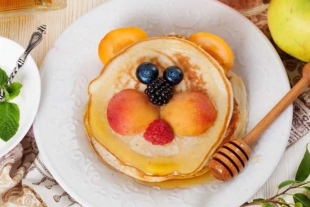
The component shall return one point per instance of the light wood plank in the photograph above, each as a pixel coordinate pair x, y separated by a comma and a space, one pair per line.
19, 29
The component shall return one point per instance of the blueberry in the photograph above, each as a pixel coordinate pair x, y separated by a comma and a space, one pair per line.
146, 72
173, 75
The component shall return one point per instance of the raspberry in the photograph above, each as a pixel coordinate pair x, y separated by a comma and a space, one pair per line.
158, 133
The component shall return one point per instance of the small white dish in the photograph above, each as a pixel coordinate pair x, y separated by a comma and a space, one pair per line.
29, 97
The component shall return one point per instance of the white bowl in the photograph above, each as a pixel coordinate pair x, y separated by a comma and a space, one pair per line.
29, 98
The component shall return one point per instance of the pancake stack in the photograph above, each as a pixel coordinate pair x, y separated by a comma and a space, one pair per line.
188, 154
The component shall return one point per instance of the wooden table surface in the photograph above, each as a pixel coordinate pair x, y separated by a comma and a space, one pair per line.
19, 28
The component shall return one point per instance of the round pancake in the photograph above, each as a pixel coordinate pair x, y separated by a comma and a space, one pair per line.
184, 155
236, 129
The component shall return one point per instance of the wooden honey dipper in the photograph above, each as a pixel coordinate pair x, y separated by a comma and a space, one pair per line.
231, 158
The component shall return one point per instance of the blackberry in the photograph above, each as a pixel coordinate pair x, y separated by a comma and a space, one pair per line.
159, 91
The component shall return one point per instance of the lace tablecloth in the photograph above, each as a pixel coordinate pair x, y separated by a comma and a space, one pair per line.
25, 181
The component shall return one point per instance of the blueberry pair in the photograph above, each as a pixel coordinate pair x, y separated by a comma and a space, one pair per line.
148, 72
159, 89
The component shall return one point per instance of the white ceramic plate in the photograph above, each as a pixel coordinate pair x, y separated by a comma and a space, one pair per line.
72, 63
29, 97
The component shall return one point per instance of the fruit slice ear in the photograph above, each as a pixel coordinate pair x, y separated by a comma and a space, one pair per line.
216, 47
117, 39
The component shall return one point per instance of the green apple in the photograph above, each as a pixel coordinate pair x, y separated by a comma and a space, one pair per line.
289, 24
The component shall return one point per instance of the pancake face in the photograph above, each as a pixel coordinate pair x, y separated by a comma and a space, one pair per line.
185, 155
236, 129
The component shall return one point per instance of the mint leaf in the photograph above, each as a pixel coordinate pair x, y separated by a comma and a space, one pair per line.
3, 77
303, 171
6, 94
286, 183
301, 198
13, 90
9, 121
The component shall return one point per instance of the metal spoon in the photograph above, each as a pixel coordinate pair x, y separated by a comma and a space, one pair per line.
35, 39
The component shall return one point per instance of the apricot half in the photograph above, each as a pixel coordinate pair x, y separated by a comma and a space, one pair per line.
216, 47
189, 113
129, 112
117, 39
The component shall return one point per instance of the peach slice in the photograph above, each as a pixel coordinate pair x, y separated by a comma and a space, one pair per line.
189, 113
216, 47
117, 39
129, 112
